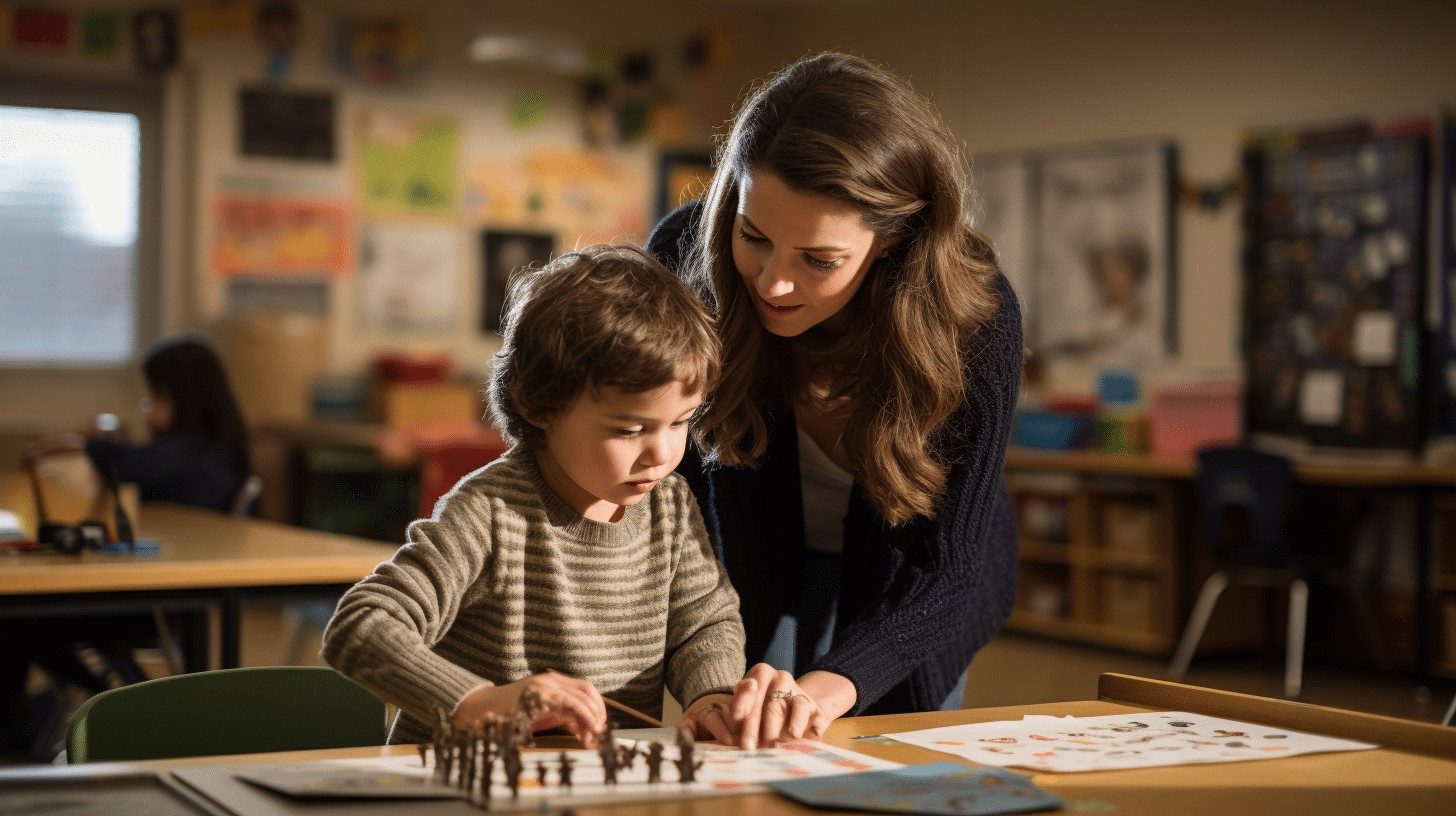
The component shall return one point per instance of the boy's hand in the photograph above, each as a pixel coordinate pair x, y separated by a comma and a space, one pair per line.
707, 718
573, 704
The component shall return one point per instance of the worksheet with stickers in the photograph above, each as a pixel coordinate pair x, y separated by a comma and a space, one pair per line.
1066, 744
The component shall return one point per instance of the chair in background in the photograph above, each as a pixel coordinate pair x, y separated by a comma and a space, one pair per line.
444, 460
1243, 500
234, 711
1450, 718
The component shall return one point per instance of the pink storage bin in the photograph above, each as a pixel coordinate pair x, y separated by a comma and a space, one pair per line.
1185, 418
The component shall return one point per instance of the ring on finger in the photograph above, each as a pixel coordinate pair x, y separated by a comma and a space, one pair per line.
781, 695
715, 708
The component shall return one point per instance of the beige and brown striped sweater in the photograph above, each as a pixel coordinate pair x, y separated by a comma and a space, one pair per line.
506, 581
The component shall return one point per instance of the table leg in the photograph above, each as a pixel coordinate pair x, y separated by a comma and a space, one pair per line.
196, 637
232, 634
1423, 584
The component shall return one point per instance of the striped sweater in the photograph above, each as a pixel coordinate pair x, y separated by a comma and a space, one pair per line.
506, 580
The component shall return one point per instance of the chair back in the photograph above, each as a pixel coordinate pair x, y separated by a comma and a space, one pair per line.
443, 465
1243, 501
233, 711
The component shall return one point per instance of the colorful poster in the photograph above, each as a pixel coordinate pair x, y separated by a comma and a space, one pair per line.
261, 230
584, 197
409, 164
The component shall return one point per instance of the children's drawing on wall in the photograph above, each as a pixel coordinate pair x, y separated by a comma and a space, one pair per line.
409, 277
408, 164
1104, 254
586, 197
502, 254
265, 227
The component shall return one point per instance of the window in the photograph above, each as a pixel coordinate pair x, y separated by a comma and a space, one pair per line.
77, 261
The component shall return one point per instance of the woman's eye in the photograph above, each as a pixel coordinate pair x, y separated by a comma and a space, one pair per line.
750, 237
820, 263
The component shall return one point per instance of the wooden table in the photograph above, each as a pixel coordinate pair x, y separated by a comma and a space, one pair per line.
1414, 772
207, 559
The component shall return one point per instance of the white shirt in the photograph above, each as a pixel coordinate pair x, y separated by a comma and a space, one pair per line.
825, 487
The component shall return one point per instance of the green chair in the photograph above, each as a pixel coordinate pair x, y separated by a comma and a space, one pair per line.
233, 711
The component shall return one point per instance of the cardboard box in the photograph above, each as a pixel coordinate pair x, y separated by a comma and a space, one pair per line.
404, 405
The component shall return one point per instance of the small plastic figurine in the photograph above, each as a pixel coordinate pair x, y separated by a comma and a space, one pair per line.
687, 757
654, 762
607, 750
565, 770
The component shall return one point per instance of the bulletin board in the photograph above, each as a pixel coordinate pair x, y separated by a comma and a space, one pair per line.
1443, 351
1334, 295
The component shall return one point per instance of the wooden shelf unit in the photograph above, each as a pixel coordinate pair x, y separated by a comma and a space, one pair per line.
1107, 572
1120, 568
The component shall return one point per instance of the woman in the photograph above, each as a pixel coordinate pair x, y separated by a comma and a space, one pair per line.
853, 474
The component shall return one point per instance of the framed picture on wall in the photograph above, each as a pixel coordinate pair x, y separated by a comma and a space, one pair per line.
1104, 245
502, 253
682, 177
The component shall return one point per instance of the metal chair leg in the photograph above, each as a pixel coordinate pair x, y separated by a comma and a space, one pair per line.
1294, 648
1197, 622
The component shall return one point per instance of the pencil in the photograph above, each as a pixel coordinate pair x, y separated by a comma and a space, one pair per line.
632, 711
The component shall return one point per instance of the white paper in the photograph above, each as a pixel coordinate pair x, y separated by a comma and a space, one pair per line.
1070, 744
1375, 340
725, 770
409, 276
1321, 398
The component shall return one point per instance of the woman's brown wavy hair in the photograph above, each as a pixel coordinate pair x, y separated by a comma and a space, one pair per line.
838, 126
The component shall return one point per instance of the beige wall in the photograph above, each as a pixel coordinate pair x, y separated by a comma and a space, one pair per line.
1006, 76
201, 148
1014, 75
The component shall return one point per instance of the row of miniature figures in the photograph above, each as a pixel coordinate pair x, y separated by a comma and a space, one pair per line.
466, 758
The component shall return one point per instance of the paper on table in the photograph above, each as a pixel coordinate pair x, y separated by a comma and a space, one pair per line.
1066, 744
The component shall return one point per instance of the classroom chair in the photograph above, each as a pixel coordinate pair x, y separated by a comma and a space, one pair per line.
232, 711
1243, 500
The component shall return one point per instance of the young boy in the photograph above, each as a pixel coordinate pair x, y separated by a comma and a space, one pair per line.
577, 564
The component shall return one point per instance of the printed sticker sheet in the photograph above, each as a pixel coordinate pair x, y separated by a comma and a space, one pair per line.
1069, 744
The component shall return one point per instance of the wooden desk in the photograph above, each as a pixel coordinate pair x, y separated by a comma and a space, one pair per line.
1414, 772
1317, 471
207, 559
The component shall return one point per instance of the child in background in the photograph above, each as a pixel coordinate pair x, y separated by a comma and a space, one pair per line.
198, 453
577, 564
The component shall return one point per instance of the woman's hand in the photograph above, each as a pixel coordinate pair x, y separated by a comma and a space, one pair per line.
570, 703
769, 705
707, 718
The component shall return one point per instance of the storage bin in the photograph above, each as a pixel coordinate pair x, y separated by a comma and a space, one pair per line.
1052, 430
1186, 418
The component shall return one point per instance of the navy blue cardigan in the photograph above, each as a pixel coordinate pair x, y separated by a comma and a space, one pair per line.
916, 601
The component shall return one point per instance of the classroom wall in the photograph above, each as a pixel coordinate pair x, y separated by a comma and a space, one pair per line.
1005, 76
1011, 76
202, 149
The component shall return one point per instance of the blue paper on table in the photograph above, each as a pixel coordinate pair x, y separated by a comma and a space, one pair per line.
938, 788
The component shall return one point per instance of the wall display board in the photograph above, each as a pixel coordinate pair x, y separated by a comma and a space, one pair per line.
1335, 259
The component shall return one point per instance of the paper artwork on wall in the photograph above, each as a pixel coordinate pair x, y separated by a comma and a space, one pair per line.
1104, 253
408, 164
272, 228
409, 276
101, 34
583, 196
1005, 211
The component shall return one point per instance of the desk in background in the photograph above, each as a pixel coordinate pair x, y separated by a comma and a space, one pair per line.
207, 560
1123, 570
1413, 772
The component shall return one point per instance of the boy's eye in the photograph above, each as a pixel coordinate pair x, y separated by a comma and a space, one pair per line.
628, 432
